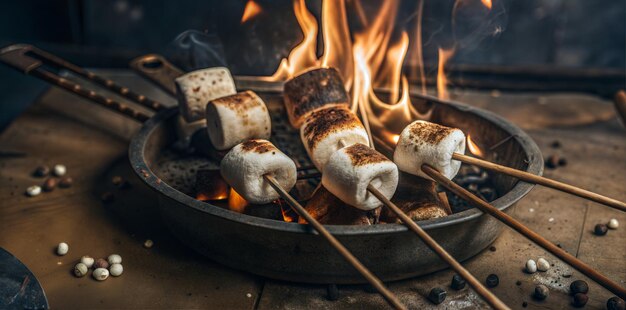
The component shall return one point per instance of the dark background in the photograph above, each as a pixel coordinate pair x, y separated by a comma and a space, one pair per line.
97, 33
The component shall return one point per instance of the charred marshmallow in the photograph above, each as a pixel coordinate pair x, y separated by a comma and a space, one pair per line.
311, 91
428, 143
237, 118
246, 164
195, 89
327, 130
351, 169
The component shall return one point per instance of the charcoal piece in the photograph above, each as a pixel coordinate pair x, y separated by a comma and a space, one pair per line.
210, 185
417, 197
326, 208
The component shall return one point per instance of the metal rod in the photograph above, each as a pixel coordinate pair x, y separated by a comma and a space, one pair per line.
88, 94
125, 92
535, 179
371, 278
485, 293
528, 233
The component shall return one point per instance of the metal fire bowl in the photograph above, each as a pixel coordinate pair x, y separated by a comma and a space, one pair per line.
293, 252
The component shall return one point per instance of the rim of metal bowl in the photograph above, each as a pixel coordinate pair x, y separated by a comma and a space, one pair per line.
520, 189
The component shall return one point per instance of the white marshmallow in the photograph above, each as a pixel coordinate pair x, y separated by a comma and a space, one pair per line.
423, 142
327, 130
351, 169
195, 89
246, 164
236, 118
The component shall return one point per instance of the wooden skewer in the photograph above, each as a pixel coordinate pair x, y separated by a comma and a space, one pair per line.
371, 278
535, 179
486, 294
521, 228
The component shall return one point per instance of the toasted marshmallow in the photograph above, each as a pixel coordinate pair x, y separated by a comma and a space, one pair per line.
327, 130
313, 90
428, 143
236, 118
195, 89
351, 169
245, 165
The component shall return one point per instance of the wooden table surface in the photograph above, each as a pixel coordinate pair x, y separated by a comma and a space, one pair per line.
60, 128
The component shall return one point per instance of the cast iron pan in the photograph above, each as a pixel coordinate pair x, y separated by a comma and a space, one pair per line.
290, 251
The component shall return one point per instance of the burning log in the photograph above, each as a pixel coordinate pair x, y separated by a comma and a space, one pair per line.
418, 198
326, 208
311, 91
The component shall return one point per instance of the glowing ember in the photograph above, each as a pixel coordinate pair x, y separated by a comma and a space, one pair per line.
236, 202
289, 215
473, 148
395, 138
251, 10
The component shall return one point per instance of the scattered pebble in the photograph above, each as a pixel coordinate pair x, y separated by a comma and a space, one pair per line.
552, 162
492, 248
600, 229
562, 162
492, 280
107, 197
458, 283
117, 180
555, 144
59, 170
62, 248
524, 304
543, 264
101, 263
578, 286
41, 171
100, 274
66, 182
33, 191
249, 295
437, 295
518, 282
116, 269
87, 260
531, 266
615, 303
580, 300
148, 244
541, 292
551, 220
80, 270
613, 224
332, 292
50, 184
114, 259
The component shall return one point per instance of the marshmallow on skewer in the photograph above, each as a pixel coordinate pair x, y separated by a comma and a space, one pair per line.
195, 89
245, 165
311, 91
327, 130
423, 142
351, 169
237, 118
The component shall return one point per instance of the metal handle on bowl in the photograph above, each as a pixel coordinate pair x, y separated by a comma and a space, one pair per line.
157, 70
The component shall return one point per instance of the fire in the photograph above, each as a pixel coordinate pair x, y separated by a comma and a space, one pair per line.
395, 138
473, 148
368, 58
251, 10
442, 80
236, 202
289, 215
487, 3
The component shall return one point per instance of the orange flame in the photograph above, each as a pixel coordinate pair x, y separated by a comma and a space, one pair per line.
442, 80
236, 202
289, 215
487, 3
473, 147
251, 10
